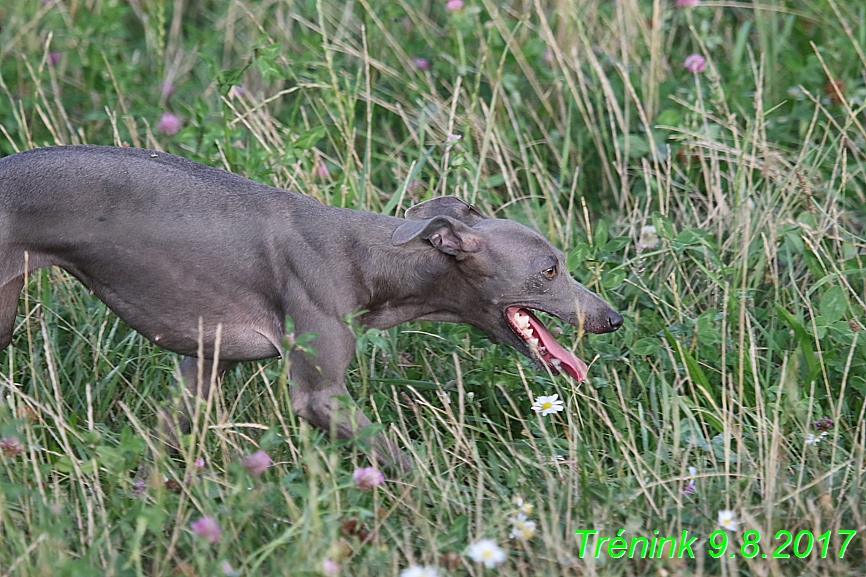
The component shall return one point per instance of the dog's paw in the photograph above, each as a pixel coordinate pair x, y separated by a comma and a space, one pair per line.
387, 455
399, 463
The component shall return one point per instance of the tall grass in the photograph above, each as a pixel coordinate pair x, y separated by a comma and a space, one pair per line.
743, 302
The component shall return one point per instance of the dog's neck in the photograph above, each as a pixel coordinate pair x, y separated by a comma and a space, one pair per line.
409, 282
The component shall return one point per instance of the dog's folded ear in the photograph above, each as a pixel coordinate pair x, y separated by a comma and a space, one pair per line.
445, 233
445, 206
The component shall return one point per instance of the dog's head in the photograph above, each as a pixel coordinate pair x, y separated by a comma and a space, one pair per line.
507, 271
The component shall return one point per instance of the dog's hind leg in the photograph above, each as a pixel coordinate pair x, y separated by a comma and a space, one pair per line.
9, 294
177, 418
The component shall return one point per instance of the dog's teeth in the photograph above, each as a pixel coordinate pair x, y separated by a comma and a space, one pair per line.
522, 321
533, 341
555, 362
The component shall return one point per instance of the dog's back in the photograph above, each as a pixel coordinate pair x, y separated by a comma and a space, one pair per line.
130, 223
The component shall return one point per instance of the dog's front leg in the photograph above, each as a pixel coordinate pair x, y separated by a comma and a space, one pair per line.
319, 395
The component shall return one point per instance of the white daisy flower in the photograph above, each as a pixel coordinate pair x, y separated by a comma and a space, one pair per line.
547, 405
552, 459
486, 551
418, 571
521, 528
728, 520
522, 506
813, 439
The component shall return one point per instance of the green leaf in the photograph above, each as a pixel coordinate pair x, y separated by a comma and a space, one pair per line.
495, 180
833, 305
646, 347
600, 237
616, 244
669, 117
459, 529
696, 373
272, 438
154, 518
131, 442
718, 445
309, 138
794, 241
110, 458
689, 236
638, 146
577, 255
613, 279
12, 491
664, 228
269, 69
265, 61
690, 430
805, 342
64, 464
77, 568
228, 78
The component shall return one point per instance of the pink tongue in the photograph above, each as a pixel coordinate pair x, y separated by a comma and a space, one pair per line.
570, 363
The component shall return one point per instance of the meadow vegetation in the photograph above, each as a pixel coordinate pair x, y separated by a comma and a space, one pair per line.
719, 206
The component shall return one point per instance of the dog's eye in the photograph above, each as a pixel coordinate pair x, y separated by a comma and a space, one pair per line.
550, 273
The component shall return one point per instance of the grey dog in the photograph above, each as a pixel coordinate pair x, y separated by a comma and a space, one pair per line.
171, 245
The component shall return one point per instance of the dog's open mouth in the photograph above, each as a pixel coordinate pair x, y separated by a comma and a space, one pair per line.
543, 345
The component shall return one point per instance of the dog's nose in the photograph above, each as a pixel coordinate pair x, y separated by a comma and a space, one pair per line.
614, 319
